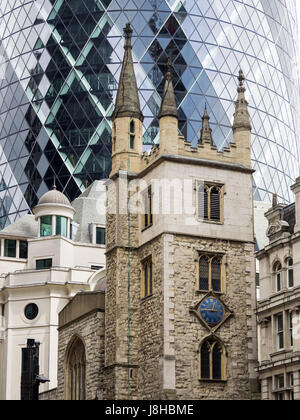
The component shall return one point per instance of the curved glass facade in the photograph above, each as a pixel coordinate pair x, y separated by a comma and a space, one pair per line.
61, 61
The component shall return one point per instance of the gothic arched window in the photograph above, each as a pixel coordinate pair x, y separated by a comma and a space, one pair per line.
210, 273
204, 273
212, 360
216, 274
76, 371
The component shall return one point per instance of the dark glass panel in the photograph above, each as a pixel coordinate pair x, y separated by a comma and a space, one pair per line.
205, 361
217, 361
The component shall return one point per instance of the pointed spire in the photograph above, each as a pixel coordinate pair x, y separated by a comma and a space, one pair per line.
127, 101
168, 106
241, 116
206, 131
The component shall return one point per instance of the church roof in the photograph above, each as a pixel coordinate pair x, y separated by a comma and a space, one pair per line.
26, 226
54, 197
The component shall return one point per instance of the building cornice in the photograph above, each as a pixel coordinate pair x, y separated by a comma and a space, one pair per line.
185, 160
279, 243
165, 232
287, 297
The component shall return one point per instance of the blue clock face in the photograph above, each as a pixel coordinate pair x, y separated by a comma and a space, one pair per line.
212, 311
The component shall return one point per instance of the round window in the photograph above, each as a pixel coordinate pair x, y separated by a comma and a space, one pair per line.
31, 311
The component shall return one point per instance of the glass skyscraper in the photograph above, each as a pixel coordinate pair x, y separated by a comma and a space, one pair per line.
60, 63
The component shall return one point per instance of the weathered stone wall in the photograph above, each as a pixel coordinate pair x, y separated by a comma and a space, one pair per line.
162, 328
236, 334
133, 350
150, 326
90, 329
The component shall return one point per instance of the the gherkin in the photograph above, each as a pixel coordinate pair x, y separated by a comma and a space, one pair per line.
61, 60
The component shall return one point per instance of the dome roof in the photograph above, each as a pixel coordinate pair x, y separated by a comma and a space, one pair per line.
54, 197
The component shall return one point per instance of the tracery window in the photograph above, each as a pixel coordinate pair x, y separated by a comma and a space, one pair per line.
76, 371
210, 273
212, 360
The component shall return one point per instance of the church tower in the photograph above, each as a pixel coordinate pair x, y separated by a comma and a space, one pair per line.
180, 290
127, 118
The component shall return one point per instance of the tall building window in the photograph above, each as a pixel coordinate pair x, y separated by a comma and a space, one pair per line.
61, 226
147, 203
290, 273
279, 393
147, 284
212, 360
280, 331
44, 264
100, 236
10, 248
290, 378
23, 249
132, 134
114, 138
76, 372
210, 273
278, 276
46, 226
210, 199
291, 329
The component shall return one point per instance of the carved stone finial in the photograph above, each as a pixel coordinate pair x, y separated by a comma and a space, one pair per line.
275, 200
206, 136
241, 115
128, 34
168, 105
241, 78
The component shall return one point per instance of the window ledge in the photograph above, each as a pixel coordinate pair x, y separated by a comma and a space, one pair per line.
219, 381
146, 228
211, 222
16, 259
146, 298
201, 292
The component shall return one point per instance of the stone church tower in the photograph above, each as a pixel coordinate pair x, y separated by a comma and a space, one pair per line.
180, 289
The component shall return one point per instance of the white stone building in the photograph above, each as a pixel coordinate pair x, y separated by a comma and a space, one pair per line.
45, 260
279, 303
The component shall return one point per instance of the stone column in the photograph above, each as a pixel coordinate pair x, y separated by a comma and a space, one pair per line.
296, 385
264, 389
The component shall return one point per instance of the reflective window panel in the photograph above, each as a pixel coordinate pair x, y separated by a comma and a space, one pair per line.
60, 65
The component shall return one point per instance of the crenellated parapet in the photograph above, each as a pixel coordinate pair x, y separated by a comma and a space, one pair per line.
238, 152
127, 130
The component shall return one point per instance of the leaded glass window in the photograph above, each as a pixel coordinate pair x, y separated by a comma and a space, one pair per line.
210, 273
212, 360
